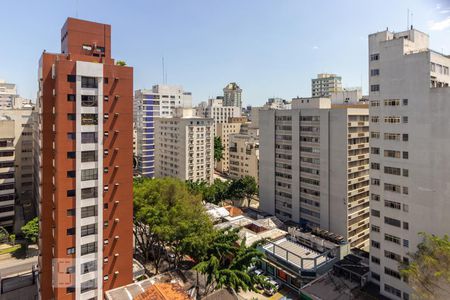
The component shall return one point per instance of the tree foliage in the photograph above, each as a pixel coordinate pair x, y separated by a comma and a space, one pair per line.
31, 231
428, 272
121, 63
225, 262
218, 149
165, 215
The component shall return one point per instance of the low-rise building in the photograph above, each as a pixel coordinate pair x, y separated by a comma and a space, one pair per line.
184, 146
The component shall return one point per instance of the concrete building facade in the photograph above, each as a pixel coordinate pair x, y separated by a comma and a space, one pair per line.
84, 106
224, 130
9, 97
7, 170
314, 167
184, 147
410, 162
325, 84
216, 110
161, 100
243, 156
232, 95
346, 96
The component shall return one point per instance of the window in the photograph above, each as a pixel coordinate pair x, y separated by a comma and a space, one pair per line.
71, 155
71, 250
374, 119
405, 207
392, 102
406, 225
392, 136
88, 285
405, 119
71, 193
405, 190
88, 193
89, 267
71, 174
405, 137
405, 243
88, 229
375, 103
71, 78
89, 174
89, 248
392, 222
392, 273
89, 211
88, 156
89, 101
71, 231
375, 276
405, 102
392, 119
374, 135
375, 213
71, 117
89, 119
392, 171
375, 197
71, 212
71, 97
89, 82
375, 260
375, 166
375, 228
405, 172
375, 181
392, 187
89, 137
392, 290
392, 204
392, 153
375, 244
391, 238
375, 150
405, 155
375, 88
71, 136
374, 57
392, 255
374, 72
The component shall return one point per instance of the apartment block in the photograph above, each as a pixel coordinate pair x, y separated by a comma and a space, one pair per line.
9, 97
347, 96
216, 110
161, 100
325, 84
84, 107
7, 169
24, 163
314, 167
410, 162
232, 95
243, 156
224, 130
277, 103
184, 146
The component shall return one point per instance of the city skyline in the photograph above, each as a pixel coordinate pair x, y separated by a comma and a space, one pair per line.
296, 52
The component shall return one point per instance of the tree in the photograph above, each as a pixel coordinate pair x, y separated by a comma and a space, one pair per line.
428, 272
121, 63
250, 187
31, 231
165, 214
218, 149
225, 262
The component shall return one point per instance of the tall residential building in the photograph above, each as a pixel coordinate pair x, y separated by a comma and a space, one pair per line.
314, 166
215, 109
7, 169
410, 158
9, 98
243, 155
161, 100
184, 146
224, 130
85, 108
232, 95
347, 96
325, 84
24, 164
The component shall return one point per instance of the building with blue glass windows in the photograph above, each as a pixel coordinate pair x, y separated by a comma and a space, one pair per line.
161, 100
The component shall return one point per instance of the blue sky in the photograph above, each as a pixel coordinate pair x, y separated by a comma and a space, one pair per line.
271, 48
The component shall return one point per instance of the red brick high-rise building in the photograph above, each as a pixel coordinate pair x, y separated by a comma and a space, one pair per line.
85, 115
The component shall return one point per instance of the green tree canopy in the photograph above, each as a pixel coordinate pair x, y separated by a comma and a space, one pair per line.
31, 231
165, 214
218, 149
428, 272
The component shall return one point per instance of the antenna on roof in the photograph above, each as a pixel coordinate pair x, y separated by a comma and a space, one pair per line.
163, 70
407, 19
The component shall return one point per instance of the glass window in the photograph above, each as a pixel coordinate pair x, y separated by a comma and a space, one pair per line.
89, 174
89, 137
89, 82
89, 119
89, 101
87, 193
88, 156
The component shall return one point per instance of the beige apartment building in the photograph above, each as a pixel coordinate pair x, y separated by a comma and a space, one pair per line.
410, 157
184, 146
223, 131
325, 84
7, 169
244, 156
216, 110
314, 167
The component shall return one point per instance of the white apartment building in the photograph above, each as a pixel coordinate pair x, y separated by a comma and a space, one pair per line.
277, 103
161, 100
410, 157
24, 164
325, 84
346, 96
224, 130
216, 110
314, 167
9, 98
7, 169
244, 156
184, 146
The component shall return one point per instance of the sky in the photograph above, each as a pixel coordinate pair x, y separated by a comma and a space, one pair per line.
271, 48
